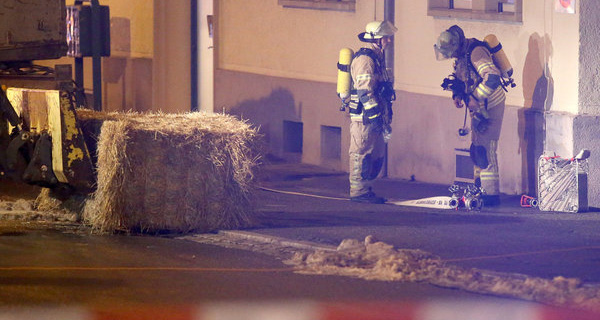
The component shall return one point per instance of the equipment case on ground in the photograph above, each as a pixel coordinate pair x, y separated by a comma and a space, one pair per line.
562, 184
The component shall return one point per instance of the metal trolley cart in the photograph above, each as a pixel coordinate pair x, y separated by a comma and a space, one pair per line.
563, 183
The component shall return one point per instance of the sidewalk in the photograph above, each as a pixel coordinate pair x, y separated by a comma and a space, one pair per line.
315, 180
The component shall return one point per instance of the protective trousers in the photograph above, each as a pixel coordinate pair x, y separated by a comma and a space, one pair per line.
489, 177
367, 149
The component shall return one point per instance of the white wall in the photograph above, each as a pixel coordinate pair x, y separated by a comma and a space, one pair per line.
262, 37
543, 38
295, 50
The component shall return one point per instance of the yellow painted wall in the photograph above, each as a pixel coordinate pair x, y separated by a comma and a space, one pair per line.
171, 89
149, 66
140, 15
128, 72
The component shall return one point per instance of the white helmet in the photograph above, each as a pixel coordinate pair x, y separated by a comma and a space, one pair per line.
376, 30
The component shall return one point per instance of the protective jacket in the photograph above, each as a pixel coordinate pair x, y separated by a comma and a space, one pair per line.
369, 76
476, 68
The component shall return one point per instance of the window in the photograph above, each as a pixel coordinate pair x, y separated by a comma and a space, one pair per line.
506, 6
337, 5
494, 10
461, 4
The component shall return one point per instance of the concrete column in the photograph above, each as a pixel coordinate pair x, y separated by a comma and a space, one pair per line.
171, 64
586, 125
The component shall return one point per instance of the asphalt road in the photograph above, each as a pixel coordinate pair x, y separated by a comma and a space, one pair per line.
508, 238
65, 265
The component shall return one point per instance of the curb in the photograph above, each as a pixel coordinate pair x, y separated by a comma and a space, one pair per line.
283, 242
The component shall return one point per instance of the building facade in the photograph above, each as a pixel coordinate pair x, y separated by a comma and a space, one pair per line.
274, 64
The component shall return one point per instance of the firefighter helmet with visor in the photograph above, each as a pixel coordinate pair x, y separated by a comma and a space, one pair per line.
376, 30
448, 43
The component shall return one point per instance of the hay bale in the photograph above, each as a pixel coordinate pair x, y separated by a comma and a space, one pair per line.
54, 207
174, 172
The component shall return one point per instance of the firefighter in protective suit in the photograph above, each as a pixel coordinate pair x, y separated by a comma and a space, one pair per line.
478, 86
370, 111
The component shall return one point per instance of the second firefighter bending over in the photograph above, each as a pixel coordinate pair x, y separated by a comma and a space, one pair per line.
370, 111
477, 84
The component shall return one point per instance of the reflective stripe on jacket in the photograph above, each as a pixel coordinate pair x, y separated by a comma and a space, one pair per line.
366, 76
490, 86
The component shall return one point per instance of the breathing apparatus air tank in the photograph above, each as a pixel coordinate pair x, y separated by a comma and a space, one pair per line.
344, 80
500, 58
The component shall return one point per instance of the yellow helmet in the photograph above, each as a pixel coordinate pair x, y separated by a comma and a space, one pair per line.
376, 30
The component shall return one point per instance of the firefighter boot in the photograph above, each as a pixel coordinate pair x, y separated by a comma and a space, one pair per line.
369, 197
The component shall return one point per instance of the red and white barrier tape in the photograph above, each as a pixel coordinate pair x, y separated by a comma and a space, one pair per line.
308, 310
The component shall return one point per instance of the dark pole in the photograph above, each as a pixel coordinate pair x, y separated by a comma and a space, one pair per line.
96, 51
80, 91
389, 15
389, 9
194, 54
